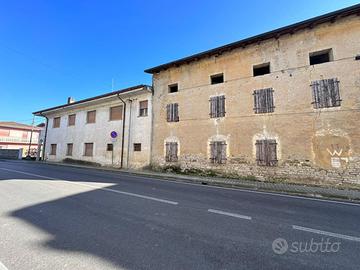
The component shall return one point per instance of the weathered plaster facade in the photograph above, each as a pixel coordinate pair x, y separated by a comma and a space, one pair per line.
313, 145
137, 130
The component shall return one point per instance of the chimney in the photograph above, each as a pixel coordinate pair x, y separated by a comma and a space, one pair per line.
70, 100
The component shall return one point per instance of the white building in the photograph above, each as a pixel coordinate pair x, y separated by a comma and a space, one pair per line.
113, 129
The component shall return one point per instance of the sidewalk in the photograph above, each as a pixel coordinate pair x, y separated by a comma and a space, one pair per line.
293, 189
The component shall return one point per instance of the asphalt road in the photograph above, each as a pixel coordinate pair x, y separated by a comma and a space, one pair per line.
55, 217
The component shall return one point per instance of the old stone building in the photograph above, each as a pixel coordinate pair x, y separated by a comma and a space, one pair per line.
112, 129
283, 104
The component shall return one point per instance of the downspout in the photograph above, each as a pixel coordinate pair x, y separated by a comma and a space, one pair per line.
128, 151
123, 132
46, 130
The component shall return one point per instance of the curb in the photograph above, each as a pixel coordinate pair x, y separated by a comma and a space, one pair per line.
289, 189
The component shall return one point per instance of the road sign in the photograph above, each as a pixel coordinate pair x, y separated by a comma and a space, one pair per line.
113, 134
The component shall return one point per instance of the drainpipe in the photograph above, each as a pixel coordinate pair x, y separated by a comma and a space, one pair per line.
46, 130
128, 151
123, 132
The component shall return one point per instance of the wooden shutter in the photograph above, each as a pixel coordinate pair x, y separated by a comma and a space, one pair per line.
315, 86
260, 152
91, 117
271, 153
334, 90
221, 108
326, 93
269, 100
53, 149
213, 107
212, 152
56, 122
266, 152
176, 112
144, 104
264, 100
222, 152
71, 120
168, 112
69, 149
116, 112
89, 149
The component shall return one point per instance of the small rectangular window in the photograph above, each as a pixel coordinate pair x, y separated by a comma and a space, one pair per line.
69, 149
137, 147
326, 93
116, 113
91, 117
53, 149
89, 148
171, 152
357, 57
218, 152
71, 120
217, 106
143, 108
218, 78
321, 57
172, 112
173, 88
110, 147
56, 122
262, 69
266, 152
264, 100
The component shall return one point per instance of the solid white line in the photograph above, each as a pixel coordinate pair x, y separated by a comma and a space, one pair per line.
31, 174
2, 266
337, 235
91, 186
228, 214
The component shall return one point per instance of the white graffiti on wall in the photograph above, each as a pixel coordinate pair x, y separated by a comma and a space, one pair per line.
335, 156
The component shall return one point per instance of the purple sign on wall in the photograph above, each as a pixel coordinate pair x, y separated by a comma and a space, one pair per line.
113, 134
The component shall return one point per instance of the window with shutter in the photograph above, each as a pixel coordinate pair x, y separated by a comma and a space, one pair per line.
143, 105
326, 93
218, 152
172, 112
56, 122
69, 149
71, 120
116, 113
53, 149
89, 147
266, 152
91, 117
217, 106
264, 100
171, 154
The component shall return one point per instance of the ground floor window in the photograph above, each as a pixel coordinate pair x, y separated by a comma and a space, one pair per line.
89, 148
266, 152
69, 149
171, 152
218, 152
137, 147
53, 149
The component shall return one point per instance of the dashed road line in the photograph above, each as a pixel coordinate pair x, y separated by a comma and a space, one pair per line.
337, 235
91, 186
228, 214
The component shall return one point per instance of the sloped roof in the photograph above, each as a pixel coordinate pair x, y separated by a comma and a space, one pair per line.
290, 29
122, 91
16, 125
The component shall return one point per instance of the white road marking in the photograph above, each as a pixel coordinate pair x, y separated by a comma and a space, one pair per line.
2, 266
246, 190
228, 214
337, 235
92, 186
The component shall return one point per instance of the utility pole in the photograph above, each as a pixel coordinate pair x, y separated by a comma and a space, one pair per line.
31, 135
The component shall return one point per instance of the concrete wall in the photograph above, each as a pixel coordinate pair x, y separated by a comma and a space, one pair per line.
313, 144
99, 132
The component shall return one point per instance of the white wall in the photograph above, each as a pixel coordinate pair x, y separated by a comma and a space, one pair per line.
99, 132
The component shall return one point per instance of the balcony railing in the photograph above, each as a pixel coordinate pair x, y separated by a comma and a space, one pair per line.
18, 140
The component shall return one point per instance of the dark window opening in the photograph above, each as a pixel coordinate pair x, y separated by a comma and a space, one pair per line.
218, 78
261, 69
69, 149
173, 88
320, 57
357, 57
137, 147
109, 147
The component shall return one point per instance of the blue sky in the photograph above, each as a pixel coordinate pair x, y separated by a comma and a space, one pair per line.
50, 50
